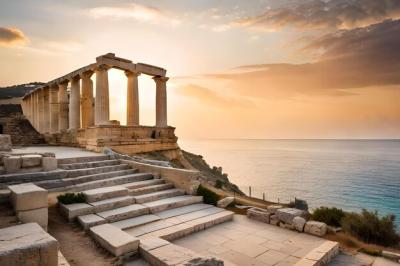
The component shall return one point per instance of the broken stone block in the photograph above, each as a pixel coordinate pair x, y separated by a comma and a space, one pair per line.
71, 211
223, 203
31, 160
39, 216
259, 214
28, 197
315, 228
49, 163
274, 220
5, 142
287, 215
286, 226
12, 164
273, 208
299, 223
27, 244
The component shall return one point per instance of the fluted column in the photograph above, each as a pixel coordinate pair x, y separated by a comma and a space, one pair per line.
46, 110
62, 106
132, 99
32, 109
75, 104
54, 108
41, 110
102, 102
36, 99
87, 100
161, 101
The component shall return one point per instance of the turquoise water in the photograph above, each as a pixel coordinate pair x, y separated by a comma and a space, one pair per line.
351, 174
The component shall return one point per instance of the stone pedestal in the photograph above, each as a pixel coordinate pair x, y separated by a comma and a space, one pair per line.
74, 104
132, 99
161, 101
63, 106
102, 103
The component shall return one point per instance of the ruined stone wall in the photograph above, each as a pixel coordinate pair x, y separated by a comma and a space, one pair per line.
13, 123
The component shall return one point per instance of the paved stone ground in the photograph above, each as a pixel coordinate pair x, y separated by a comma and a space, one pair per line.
360, 260
60, 151
248, 242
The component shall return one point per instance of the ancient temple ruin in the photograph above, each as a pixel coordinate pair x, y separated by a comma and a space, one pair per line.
66, 112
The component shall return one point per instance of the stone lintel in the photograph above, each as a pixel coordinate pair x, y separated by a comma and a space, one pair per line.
150, 70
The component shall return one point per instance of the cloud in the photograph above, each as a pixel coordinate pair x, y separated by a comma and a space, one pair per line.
320, 14
134, 11
11, 36
206, 95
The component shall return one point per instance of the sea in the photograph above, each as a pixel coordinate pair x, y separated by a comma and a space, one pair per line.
349, 174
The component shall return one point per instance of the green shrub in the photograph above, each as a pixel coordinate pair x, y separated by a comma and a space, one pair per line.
69, 198
370, 251
370, 228
330, 216
218, 183
209, 197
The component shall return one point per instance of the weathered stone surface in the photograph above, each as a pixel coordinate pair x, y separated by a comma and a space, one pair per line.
39, 216
27, 244
71, 211
204, 261
315, 228
90, 220
274, 220
259, 214
49, 163
31, 160
28, 196
299, 223
5, 142
223, 203
286, 226
273, 208
391, 255
286, 215
105, 193
12, 164
114, 239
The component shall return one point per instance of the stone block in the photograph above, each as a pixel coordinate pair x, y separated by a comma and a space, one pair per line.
39, 216
28, 196
287, 215
273, 208
90, 220
286, 226
259, 214
5, 142
27, 244
391, 255
223, 203
299, 223
71, 211
315, 228
114, 239
105, 193
49, 163
274, 220
12, 164
31, 160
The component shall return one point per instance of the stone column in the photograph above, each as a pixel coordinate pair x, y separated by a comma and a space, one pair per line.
75, 104
46, 110
54, 108
132, 99
102, 102
62, 106
87, 100
36, 99
161, 101
41, 110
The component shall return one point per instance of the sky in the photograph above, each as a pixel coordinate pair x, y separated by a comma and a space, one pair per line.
238, 69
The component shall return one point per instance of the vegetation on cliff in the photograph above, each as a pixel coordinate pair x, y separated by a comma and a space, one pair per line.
18, 90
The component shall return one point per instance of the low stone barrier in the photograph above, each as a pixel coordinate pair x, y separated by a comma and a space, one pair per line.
20, 163
288, 218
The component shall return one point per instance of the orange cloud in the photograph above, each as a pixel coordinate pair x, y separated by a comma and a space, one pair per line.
11, 36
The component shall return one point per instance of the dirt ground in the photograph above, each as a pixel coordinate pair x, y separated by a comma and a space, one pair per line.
76, 246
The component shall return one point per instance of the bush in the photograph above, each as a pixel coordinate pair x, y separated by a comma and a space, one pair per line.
69, 198
370, 251
209, 197
218, 183
370, 228
330, 216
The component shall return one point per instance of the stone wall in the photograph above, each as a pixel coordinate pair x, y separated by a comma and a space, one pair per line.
14, 123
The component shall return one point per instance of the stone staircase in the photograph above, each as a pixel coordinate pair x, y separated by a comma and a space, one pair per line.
137, 204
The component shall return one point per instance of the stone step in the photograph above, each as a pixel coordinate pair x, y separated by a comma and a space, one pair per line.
82, 159
113, 239
137, 221
81, 165
68, 183
96, 170
90, 220
114, 181
158, 195
150, 189
135, 185
320, 255
171, 203
183, 210
112, 203
123, 213
99, 194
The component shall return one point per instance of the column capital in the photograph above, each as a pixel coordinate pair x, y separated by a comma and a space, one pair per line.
86, 74
102, 67
63, 83
160, 79
129, 73
75, 78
